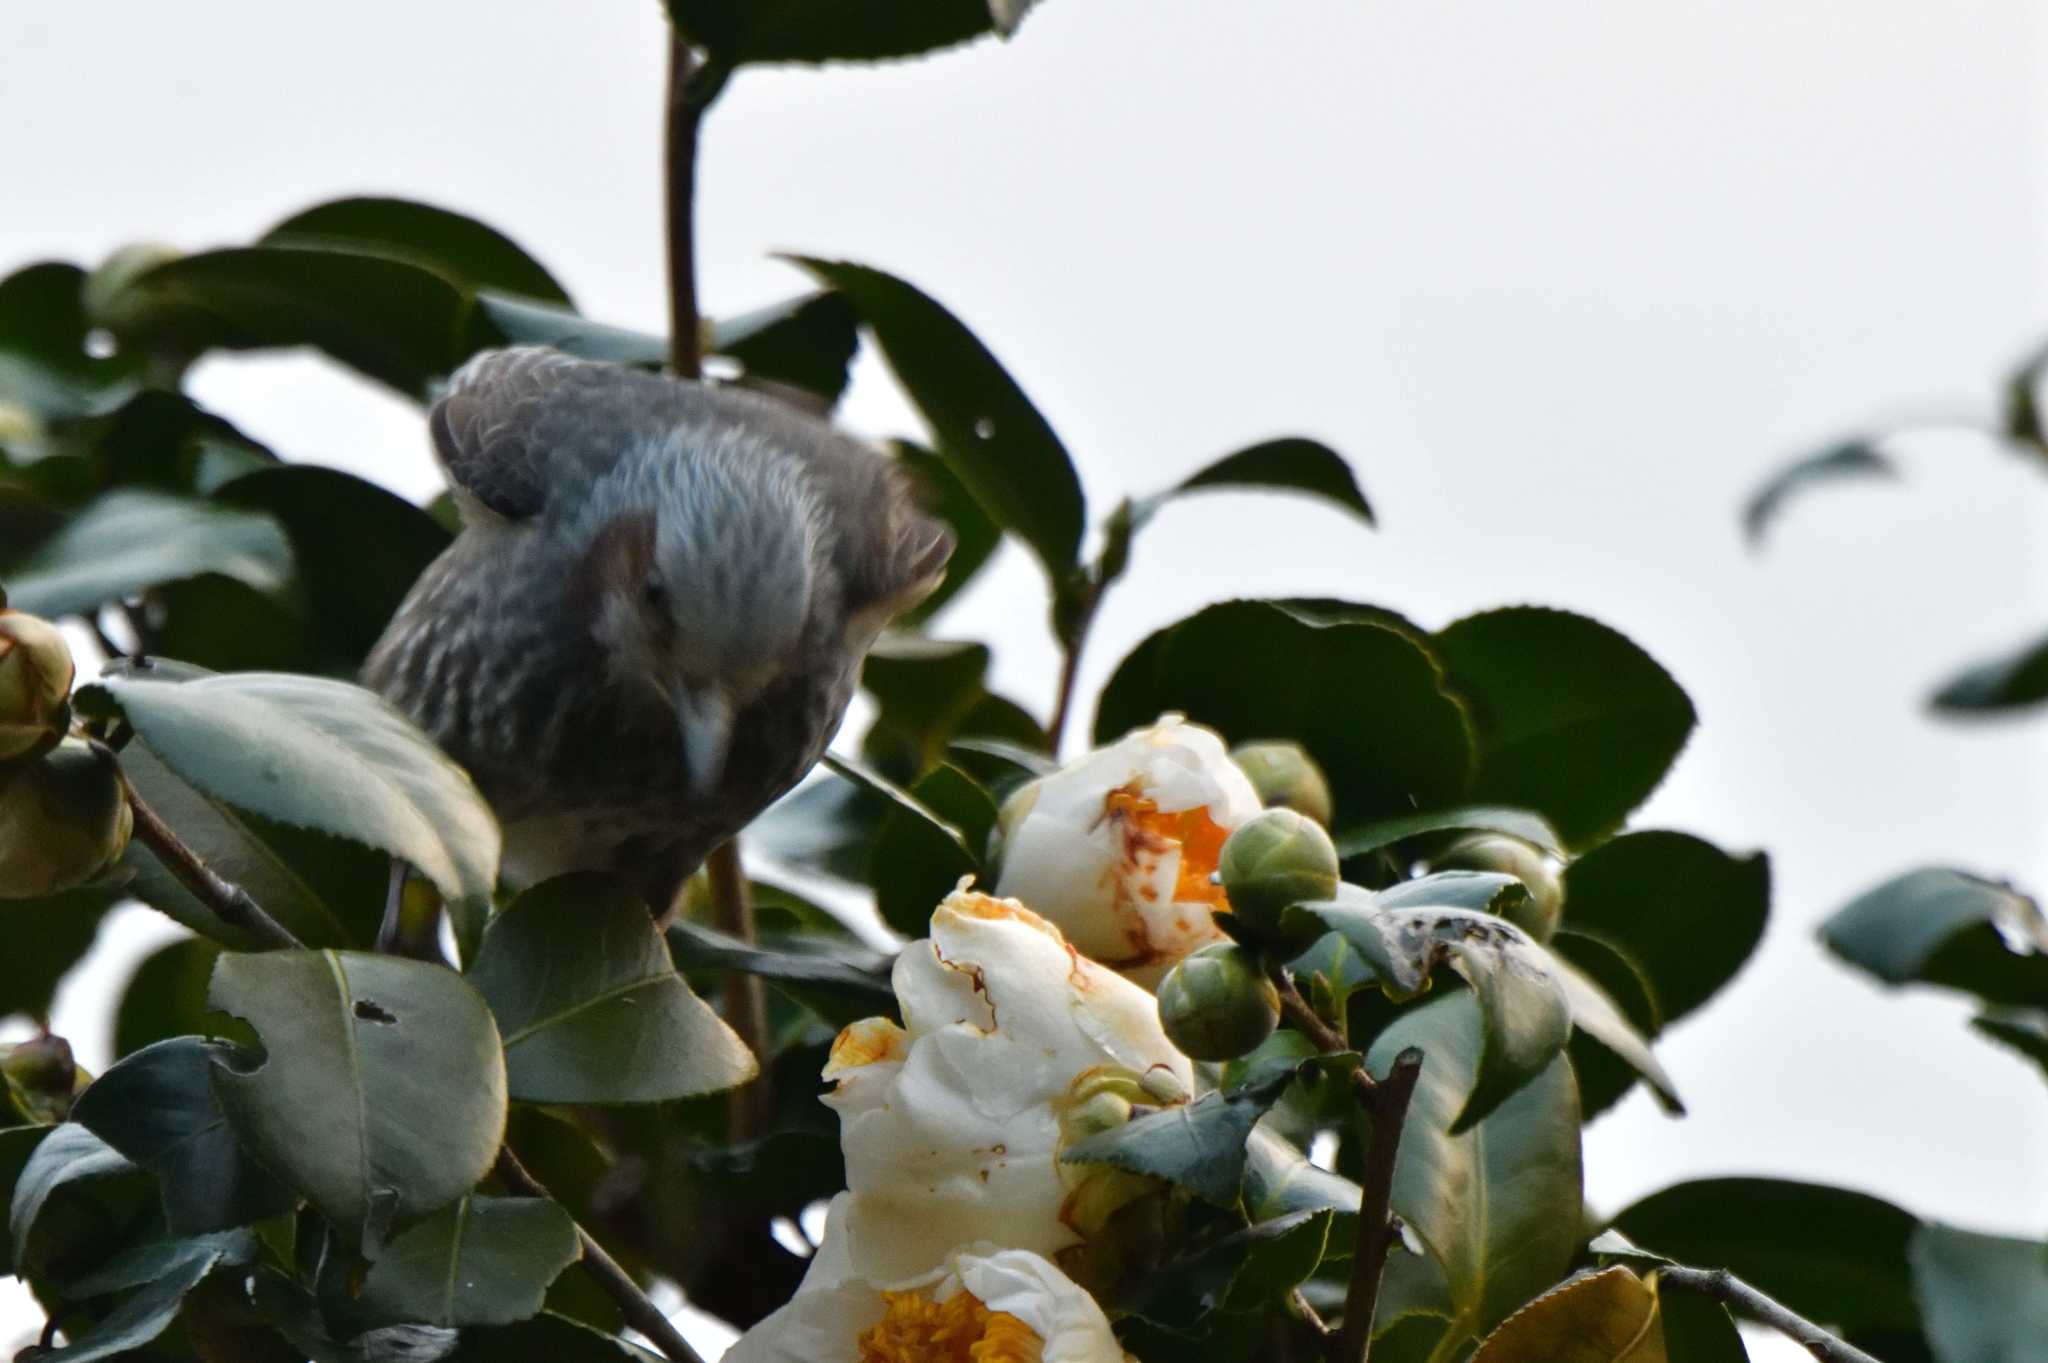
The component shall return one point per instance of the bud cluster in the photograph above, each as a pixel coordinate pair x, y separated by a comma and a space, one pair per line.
64, 816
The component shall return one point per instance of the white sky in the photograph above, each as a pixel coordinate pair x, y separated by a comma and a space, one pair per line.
1563, 279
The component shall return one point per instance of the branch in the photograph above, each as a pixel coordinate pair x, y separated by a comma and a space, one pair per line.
693, 84
745, 1002
1724, 1287
1386, 1112
229, 902
640, 1313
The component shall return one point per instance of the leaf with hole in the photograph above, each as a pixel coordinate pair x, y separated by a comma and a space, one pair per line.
590, 1005
381, 1091
157, 1107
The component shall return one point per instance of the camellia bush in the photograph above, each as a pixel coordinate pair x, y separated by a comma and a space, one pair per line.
1020, 1043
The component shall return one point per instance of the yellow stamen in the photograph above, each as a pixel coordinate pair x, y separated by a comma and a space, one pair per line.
1149, 833
916, 1329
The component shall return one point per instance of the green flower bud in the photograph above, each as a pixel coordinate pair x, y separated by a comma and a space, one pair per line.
41, 1078
64, 820
35, 682
1217, 1004
1538, 871
1276, 859
1286, 777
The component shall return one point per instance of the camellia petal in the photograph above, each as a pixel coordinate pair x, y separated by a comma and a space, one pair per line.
980, 1304
950, 1125
1118, 848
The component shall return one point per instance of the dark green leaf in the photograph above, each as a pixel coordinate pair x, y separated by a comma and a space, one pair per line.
1199, 1145
923, 688
519, 321
157, 1107
1574, 721
1604, 1078
1402, 935
130, 540
319, 754
2023, 1029
395, 321
988, 432
160, 1278
1683, 913
1984, 1298
461, 250
590, 1005
1946, 927
1515, 1224
224, 626
164, 440
17, 1145
44, 939
1249, 1270
1597, 1015
166, 996
1698, 1330
825, 827
2012, 681
841, 984
1855, 458
44, 365
893, 798
1525, 824
806, 342
1366, 701
68, 1154
483, 1261
1279, 1180
1827, 1253
914, 865
554, 1338
975, 536
1292, 464
358, 548
381, 1095
827, 30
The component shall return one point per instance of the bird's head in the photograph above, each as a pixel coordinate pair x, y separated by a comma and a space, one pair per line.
705, 577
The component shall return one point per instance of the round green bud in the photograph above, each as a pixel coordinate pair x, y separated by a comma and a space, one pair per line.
41, 1077
1216, 1004
1286, 777
35, 682
64, 820
1274, 860
1538, 871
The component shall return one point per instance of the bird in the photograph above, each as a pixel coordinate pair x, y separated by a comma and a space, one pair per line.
654, 616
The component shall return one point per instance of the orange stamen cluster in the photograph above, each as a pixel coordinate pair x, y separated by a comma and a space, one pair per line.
1148, 833
916, 1329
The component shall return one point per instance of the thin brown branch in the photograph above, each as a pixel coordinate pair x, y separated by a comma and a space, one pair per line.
745, 1002
1724, 1287
1304, 1019
1386, 1112
691, 87
228, 902
639, 1312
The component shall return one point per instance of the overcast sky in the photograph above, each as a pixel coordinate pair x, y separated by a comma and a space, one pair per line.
1563, 278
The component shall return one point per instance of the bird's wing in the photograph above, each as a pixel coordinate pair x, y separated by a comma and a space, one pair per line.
516, 425
899, 562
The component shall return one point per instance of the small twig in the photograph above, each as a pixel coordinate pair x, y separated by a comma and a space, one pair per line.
1385, 1115
640, 1313
1070, 667
1724, 1287
692, 85
1295, 1009
229, 902
745, 1002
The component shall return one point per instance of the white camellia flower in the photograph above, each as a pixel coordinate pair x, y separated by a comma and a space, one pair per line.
951, 1123
980, 1304
1118, 847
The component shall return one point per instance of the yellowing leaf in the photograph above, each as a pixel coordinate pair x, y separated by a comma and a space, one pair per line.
1604, 1317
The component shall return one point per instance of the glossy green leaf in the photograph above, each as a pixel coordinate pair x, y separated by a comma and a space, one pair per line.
922, 688
381, 1094
1514, 1224
44, 365
129, 540
827, 30
460, 249
44, 939
839, 983
68, 1155
1699, 1330
157, 1107
166, 441
807, 342
157, 1280
483, 1261
17, 1145
1198, 1145
988, 431
1375, 834
330, 517
165, 996
1604, 1317
1597, 1015
1279, 1180
1403, 934
1828, 1253
1983, 1298
1857, 458
1574, 721
1366, 700
1292, 464
942, 494
2014, 680
511, 320
554, 1338
1950, 928
590, 1005
313, 753
914, 865
1248, 1270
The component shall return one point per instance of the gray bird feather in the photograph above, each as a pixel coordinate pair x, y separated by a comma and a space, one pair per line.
649, 569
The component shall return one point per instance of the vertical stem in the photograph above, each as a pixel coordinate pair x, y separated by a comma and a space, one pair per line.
1386, 1111
745, 1003
1076, 639
686, 103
